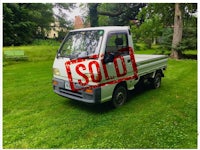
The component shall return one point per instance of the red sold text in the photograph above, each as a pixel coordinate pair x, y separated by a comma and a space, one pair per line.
79, 66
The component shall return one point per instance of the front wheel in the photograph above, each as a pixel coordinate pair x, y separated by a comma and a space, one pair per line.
119, 96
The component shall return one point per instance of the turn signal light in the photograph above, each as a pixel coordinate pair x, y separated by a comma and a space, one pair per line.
55, 83
89, 91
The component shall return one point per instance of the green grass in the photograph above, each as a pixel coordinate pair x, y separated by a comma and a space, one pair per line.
35, 117
45, 42
191, 52
37, 53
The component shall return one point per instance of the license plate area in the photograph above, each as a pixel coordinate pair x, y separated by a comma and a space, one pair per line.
67, 86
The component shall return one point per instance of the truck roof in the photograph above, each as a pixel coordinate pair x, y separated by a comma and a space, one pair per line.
105, 28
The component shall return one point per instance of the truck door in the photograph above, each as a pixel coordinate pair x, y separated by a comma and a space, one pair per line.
116, 57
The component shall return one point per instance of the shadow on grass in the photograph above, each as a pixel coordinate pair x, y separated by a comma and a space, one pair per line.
93, 108
139, 90
107, 107
189, 56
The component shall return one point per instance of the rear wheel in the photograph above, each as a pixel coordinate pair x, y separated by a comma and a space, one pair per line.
156, 81
119, 96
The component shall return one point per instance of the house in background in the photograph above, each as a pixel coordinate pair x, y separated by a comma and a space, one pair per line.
55, 28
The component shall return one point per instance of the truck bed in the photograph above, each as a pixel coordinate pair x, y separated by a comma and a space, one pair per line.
149, 63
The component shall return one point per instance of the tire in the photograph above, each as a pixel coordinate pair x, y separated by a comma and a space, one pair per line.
156, 81
119, 96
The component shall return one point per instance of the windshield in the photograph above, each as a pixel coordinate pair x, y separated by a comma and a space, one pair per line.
81, 44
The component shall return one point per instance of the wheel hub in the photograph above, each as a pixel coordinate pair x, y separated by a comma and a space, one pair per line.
120, 98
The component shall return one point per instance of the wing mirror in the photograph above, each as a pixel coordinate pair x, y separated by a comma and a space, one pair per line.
108, 58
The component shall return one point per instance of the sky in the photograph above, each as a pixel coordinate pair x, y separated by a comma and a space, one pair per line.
78, 11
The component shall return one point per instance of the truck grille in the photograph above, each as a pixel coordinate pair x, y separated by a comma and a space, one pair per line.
72, 93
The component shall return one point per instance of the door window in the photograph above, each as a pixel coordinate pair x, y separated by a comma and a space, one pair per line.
117, 44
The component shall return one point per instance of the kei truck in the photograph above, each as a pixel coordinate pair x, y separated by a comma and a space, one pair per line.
98, 64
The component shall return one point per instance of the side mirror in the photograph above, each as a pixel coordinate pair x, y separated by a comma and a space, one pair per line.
108, 58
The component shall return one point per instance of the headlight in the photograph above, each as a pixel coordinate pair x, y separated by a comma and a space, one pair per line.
56, 71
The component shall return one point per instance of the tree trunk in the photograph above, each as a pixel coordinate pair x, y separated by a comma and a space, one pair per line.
178, 30
93, 14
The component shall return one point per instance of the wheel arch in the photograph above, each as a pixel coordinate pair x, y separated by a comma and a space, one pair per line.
123, 83
116, 99
158, 71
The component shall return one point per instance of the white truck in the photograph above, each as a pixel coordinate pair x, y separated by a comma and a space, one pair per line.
98, 64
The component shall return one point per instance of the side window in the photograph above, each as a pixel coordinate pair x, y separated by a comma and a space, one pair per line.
116, 43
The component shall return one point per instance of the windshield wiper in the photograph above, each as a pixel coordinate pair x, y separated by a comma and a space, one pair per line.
89, 57
62, 56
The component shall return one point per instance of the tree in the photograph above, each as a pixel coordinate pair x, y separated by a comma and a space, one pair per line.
183, 13
189, 35
149, 30
178, 31
93, 14
22, 22
118, 13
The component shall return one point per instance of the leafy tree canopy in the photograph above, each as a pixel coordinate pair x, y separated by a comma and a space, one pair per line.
118, 13
24, 21
165, 24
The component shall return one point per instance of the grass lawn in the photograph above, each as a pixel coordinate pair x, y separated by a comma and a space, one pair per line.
35, 117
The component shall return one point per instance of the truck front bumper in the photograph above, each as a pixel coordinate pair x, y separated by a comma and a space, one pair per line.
79, 95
